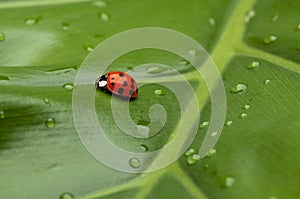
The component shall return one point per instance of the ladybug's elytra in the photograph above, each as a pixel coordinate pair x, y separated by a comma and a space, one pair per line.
118, 83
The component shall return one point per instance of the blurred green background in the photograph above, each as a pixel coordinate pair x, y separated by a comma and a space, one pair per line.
253, 43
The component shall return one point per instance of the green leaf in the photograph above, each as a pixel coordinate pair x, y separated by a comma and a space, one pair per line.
43, 44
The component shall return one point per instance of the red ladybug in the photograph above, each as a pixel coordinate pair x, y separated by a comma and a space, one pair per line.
118, 83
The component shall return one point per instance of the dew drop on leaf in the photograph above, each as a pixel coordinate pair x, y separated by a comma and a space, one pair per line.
144, 147
227, 181
211, 152
190, 152
134, 163
267, 81
156, 69
2, 114
204, 124
104, 16
50, 122
65, 26
66, 196
253, 65
298, 27
68, 86
193, 159
238, 88
46, 101
275, 18
212, 21
2, 36
159, 92
249, 15
243, 115
32, 20
99, 4
247, 107
270, 39
89, 48
229, 123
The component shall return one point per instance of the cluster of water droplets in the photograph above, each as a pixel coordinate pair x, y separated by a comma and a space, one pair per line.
192, 156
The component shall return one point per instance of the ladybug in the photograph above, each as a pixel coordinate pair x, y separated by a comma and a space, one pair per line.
118, 83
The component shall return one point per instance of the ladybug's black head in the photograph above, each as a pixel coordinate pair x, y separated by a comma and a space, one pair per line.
101, 82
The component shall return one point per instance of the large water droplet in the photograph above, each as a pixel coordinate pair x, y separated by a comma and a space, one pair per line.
134, 163
204, 124
243, 115
2, 114
267, 81
156, 69
32, 20
253, 65
65, 26
212, 21
298, 27
270, 39
190, 152
50, 122
249, 15
104, 16
46, 101
159, 92
227, 181
66, 196
68, 86
211, 152
238, 88
2, 36
144, 147
193, 159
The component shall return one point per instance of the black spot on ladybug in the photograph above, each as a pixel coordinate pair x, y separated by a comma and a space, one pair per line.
112, 83
112, 78
121, 75
120, 91
132, 80
132, 86
125, 83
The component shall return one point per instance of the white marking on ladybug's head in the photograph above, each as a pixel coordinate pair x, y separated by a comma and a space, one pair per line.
102, 84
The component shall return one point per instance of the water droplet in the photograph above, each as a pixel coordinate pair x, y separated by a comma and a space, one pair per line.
156, 69
88, 48
159, 92
144, 147
267, 81
32, 20
275, 18
99, 4
212, 21
104, 16
50, 122
205, 166
211, 153
243, 115
193, 159
227, 181
2, 114
253, 65
247, 107
204, 124
229, 123
2, 36
65, 26
298, 27
270, 39
190, 152
213, 134
46, 101
184, 62
66, 196
238, 88
273, 197
249, 15
68, 86
134, 163
192, 52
